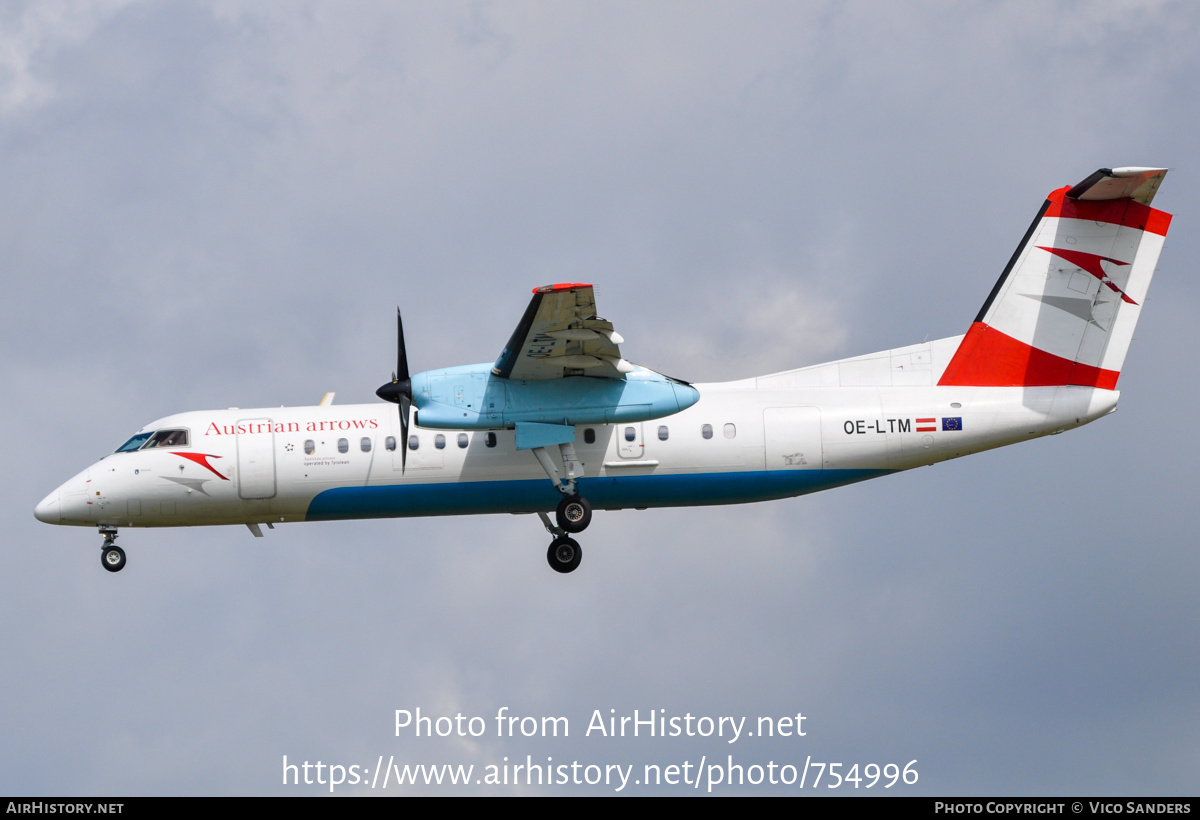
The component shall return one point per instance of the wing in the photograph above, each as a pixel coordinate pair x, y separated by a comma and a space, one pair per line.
560, 335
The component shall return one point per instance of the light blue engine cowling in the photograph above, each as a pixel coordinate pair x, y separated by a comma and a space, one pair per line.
471, 397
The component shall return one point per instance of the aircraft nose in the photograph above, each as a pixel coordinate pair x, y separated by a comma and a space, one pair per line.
49, 510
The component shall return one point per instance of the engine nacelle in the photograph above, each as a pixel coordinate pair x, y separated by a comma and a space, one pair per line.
471, 397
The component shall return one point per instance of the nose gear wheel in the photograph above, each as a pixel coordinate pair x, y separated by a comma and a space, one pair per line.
112, 558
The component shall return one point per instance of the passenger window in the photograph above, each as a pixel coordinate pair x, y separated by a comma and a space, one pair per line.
343, 445
630, 434
309, 446
413, 442
730, 431
589, 436
663, 432
463, 440
365, 444
706, 431
390, 442
439, 441
490, 439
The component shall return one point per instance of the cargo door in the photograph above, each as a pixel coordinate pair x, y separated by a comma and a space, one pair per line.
792, 438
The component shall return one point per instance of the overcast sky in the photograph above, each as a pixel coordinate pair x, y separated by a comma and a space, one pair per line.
210, 204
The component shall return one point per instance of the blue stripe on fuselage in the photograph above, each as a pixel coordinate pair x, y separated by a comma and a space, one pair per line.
476, 497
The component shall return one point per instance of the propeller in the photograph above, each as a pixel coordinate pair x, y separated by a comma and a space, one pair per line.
399, 389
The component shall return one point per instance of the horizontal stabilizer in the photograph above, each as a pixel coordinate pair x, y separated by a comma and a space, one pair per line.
1138, 184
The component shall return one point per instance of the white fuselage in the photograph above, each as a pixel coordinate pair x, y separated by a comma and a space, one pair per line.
771, 437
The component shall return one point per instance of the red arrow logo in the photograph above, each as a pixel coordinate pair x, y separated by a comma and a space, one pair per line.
202, 460
1090, 262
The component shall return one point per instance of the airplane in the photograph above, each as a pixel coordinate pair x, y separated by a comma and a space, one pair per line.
561, 422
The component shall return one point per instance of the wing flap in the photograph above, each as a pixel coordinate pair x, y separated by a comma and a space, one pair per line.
560, 335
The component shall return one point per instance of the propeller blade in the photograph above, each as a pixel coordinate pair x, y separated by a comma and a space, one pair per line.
405, 404
400, 385
399, 389
401, 353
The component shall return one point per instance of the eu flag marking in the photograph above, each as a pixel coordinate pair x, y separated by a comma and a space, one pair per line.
952, 423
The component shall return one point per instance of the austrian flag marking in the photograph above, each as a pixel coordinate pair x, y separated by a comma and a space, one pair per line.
929, 425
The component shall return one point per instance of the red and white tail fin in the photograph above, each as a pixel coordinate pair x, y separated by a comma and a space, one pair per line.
1065, 307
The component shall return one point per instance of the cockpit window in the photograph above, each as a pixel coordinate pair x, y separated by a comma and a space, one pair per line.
134, 443
162, 438
167, 438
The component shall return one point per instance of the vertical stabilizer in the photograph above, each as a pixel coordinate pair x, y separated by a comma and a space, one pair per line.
1064, 309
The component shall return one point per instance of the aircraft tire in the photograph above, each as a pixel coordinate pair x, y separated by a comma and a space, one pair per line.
112, 559
573, 513
564, 554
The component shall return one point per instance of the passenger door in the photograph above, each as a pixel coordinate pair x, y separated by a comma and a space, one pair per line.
256, 459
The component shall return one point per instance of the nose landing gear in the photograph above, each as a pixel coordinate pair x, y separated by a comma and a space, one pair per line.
112, 557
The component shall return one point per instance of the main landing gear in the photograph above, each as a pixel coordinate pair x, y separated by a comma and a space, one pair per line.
564, 552
112, 557
573, 513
